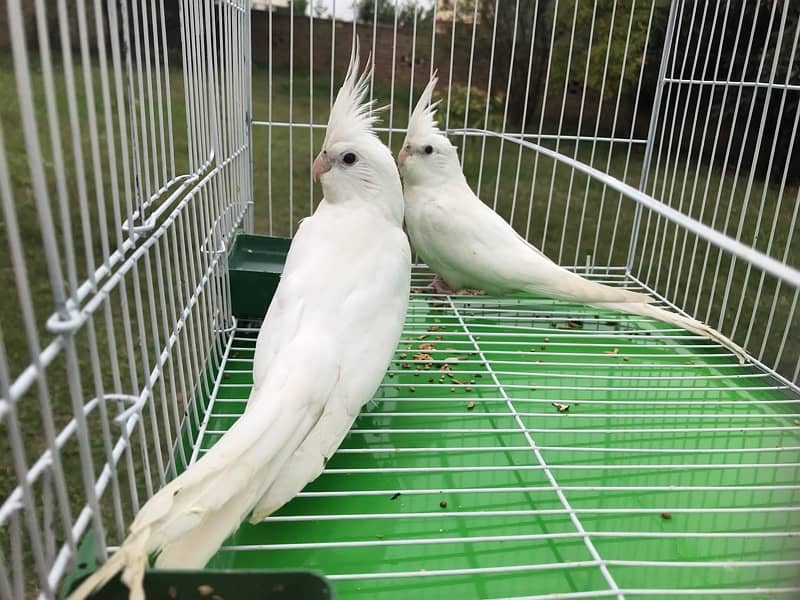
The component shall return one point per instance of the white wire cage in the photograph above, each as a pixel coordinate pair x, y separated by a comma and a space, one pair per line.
645, 144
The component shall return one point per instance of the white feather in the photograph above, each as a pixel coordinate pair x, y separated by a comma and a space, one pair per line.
322, 351
470, 246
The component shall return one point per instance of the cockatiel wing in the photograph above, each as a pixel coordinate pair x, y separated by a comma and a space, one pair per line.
470, 245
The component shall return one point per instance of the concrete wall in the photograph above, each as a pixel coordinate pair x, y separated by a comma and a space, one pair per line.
297, 34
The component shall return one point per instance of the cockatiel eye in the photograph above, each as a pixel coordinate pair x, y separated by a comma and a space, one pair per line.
349, 158
428, 149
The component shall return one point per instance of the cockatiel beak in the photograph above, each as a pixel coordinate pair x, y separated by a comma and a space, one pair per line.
321, 165
402, 155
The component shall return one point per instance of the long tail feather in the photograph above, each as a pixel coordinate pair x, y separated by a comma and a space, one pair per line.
698, 327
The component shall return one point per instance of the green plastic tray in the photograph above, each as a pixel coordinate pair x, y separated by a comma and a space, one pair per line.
674, 468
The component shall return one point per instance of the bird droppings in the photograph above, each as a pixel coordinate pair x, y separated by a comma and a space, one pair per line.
205, 590
613, 352
469, 389
562, 408
390, 374
433, 328
443, 504
547, 339
395, 496
402, 355
470, 405
430, 379
625, 358
412, 389
478, 374
666, 516
421, 337
452, 389
533, 349
379, 536
405, 366
543, 347
797, 421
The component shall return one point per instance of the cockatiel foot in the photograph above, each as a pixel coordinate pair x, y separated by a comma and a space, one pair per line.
470, 292
440, 287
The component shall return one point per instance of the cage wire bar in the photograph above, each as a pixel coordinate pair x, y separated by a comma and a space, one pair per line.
620, 137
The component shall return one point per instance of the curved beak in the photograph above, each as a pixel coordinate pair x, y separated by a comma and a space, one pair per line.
403, 155
321, 165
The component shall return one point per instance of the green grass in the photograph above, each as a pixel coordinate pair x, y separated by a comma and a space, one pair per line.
287, 160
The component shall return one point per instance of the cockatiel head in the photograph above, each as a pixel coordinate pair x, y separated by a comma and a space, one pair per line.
427, 156
354, 165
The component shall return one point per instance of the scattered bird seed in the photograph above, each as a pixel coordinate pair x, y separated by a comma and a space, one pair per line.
470, 405
478, 374
402, 355
172, 592
613, 352
427, 346
666, 516
562, 408
443, 504
430, 379
205, 590
405, 365
411, 388
421, 337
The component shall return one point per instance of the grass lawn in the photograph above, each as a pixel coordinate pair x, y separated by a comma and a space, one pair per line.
581, 213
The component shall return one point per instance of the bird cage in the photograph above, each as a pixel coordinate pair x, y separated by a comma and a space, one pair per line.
154, 164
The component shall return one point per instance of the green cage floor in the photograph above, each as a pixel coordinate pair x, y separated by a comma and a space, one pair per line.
674, 472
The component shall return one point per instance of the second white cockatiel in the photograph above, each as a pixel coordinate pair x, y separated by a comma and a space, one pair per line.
468, 245
325, 344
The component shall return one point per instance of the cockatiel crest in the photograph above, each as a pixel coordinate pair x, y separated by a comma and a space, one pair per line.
352, 116
427, 154
422, 122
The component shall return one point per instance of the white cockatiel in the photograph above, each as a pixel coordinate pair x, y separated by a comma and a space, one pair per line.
468, 245
325, 344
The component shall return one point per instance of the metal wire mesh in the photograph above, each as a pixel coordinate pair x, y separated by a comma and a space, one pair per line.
648, 144
524, 444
